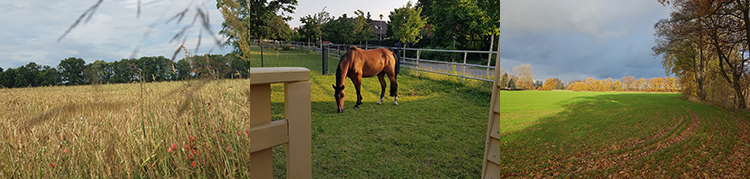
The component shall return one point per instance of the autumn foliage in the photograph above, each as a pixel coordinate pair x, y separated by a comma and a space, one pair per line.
664, 84
522, 78
705, 44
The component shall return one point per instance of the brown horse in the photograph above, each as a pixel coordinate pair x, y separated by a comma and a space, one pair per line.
358, 63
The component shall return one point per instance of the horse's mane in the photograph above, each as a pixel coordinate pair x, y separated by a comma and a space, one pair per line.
339, 69
339, 76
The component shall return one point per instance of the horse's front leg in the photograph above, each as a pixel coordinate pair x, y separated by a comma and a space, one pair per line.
357, 86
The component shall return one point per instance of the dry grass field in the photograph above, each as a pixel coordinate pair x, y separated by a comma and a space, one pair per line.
151, 129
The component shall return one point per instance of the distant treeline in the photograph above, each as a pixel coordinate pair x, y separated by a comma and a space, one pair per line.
75, 71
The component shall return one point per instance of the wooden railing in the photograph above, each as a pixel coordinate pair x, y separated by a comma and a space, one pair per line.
295, 130
491, 163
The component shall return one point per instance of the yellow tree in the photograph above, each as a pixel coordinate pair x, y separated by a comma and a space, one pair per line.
590, 84
629, 83
640, 84
579, 86
550, 84
617, 85
600, 86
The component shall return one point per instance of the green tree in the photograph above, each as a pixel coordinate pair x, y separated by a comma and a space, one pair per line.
252, 19
406, 24
71, 70
50, 76
362, 27
7, 78
183, 69
341, 30
155, 68
31, 74
101, 71
472, 23
240, 66
211, 66
123, 71
22, 78
313, 24
280, 28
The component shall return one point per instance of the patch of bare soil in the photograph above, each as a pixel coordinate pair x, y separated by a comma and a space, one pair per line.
735, 165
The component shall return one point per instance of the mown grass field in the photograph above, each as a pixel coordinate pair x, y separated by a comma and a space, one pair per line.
626, 135
196, 128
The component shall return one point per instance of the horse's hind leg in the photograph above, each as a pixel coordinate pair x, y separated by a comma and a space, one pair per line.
381, 77
394, 87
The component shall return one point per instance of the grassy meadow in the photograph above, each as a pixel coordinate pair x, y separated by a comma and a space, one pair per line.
623, 135
197, 128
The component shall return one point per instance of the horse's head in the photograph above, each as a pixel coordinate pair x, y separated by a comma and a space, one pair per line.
338, 92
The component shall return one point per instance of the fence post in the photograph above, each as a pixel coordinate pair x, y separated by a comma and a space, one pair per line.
396, 51
260, 107
463, 69
418, 52
489, 59
324, 51
297, 110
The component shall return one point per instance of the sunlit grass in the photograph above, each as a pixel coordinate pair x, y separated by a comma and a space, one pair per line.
588, 134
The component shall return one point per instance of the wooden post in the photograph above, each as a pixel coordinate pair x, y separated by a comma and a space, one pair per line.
297, 111
260, 110
491, 161
295, 130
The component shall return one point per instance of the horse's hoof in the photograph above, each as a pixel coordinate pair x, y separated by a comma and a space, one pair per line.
395, 103
378, 103
355, 107
340, 111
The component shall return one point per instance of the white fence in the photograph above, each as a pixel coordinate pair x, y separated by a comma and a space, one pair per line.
461, 69
467, 70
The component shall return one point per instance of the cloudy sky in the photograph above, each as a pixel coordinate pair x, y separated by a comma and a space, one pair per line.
577, 39
31, 28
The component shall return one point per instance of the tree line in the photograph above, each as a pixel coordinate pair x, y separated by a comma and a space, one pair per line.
522, 78
75, 71
454, 24
705, 43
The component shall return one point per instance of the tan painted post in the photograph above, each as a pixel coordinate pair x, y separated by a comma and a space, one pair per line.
491, 162
295, 131
297, 111
260, 113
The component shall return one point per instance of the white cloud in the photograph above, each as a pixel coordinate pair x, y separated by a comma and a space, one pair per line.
111, 34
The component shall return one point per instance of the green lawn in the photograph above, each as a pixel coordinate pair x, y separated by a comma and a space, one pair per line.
593, 134
437, 130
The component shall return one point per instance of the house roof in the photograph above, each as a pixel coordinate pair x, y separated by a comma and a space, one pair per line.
379, 27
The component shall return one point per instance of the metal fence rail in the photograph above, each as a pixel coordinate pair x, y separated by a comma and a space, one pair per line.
484, 73
445, 68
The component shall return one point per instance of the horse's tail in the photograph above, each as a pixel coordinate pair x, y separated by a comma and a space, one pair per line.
396, 64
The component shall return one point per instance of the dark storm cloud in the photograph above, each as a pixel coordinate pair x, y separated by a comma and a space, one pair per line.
580, 39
